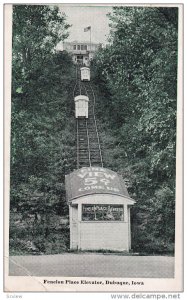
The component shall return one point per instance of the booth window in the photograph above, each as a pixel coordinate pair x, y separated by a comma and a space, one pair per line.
102, 212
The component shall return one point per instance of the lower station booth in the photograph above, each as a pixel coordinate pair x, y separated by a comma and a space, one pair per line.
99, 207
81, 106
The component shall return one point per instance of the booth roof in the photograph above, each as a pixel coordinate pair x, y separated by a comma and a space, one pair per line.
94, 180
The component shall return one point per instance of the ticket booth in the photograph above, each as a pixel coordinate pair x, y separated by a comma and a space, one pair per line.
99, 208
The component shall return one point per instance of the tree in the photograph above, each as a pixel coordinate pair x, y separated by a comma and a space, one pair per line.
138, 71
42, 141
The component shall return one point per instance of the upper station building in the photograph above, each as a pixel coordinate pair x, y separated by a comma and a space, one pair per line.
82, 52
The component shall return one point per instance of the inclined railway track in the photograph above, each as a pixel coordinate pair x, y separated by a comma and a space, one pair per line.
88, 143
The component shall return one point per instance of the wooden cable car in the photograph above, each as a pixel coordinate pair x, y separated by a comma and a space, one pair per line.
85, 74
81, 106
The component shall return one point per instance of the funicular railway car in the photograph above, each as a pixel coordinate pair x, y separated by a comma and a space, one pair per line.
81, 106
85, 74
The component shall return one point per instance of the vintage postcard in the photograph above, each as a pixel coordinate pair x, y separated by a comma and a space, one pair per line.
93, 148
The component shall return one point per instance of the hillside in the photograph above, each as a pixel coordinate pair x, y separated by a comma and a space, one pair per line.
135, 80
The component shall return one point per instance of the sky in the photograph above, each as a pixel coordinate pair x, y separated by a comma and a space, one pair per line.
82, 16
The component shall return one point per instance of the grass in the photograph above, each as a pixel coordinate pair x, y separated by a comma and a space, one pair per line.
99, 251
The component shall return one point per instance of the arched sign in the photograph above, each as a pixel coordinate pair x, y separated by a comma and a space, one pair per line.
93, 180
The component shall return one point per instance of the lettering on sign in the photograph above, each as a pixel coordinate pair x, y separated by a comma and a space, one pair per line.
98, 187
102, 212
96, 179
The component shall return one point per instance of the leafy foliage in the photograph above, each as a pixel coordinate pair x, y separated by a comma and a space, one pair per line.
42, 141
137, 79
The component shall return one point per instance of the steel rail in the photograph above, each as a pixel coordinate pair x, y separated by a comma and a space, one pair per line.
78, 84
95, 122
82, 87
74, 90
74, 95
75, 82
78, 144
88, 139
85, 91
